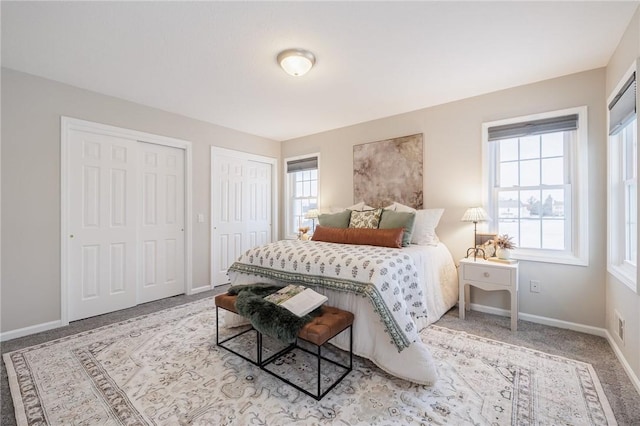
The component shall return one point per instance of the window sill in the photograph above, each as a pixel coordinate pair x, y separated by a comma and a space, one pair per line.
625, 274
550, 257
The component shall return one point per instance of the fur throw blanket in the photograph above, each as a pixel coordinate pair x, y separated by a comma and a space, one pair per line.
266, 317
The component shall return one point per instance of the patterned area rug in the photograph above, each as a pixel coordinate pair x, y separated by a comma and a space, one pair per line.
165, 369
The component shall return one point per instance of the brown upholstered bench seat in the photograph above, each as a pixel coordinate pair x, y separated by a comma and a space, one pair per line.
226, 301
331, 322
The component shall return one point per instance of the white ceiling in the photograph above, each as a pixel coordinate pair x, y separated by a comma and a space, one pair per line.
216, 61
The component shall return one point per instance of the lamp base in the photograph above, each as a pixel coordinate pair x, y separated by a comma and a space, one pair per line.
476, 251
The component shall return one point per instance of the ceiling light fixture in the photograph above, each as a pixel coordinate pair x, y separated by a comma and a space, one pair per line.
296, 62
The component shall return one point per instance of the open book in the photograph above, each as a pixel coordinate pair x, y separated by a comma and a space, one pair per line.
297, 299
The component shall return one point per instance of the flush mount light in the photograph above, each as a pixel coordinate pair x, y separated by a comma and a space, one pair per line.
296, 62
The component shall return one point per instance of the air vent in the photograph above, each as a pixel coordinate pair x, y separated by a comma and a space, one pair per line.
618, 325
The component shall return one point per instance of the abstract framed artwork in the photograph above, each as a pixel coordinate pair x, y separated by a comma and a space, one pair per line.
389, 170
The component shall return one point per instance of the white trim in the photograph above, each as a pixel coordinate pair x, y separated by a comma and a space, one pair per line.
597, 331
32, 329
67, 124
274, 196
627, 275
627, 368
287, 190
200, 289
579, 254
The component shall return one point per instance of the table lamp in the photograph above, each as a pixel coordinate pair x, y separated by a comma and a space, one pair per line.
313, 215
475, 215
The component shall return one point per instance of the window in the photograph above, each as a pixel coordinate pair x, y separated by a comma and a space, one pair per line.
301, 192
623, 183
535, 174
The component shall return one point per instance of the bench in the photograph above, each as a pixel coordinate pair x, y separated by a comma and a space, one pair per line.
331, 322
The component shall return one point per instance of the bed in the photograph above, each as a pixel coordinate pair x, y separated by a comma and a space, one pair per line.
393, 292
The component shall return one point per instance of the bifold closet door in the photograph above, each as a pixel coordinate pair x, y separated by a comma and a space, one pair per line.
126, 223
241, 206
103, 224
161, 231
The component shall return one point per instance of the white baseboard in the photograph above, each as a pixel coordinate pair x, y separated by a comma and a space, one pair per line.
627, 368
602, 332
542, 320
32, 329
201, 289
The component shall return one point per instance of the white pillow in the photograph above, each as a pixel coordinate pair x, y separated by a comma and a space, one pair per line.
424, 229
403, 208
397, 207
360, 207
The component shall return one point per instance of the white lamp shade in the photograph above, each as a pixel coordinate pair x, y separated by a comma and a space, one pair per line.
312, 214
475, 214
296, 62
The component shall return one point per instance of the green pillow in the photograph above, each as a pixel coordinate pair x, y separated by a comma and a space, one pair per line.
391, 220
335, 220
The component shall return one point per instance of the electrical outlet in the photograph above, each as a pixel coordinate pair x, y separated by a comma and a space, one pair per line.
618, 325
535, 286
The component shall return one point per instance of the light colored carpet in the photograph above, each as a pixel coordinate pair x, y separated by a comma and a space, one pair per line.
164, 368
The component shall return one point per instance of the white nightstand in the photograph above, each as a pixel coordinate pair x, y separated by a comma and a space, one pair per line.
489, 276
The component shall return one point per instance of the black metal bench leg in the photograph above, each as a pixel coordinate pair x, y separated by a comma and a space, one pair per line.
351, 347
319, 361
217, 329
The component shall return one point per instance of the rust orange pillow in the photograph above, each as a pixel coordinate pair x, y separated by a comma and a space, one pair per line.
365, 236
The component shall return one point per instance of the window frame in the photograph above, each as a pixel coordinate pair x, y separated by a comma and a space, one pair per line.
288, 192
617, 264
577, 161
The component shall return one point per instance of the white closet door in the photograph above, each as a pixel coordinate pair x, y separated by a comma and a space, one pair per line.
241, 207
102, 227
259, 203
228, 204
161, 231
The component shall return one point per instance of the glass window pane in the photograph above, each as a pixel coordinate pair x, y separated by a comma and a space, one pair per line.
508, 205
553, 171
530, 233
314, 188
553, 203
553, 144
313, 174
508, 175
530, 173
530, 147
553, 234
509, 227
298, 190
629, 155
531, 203
631, 214
509, 149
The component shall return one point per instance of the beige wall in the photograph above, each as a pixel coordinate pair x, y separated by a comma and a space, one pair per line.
31, 110
452, 179
620, 297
